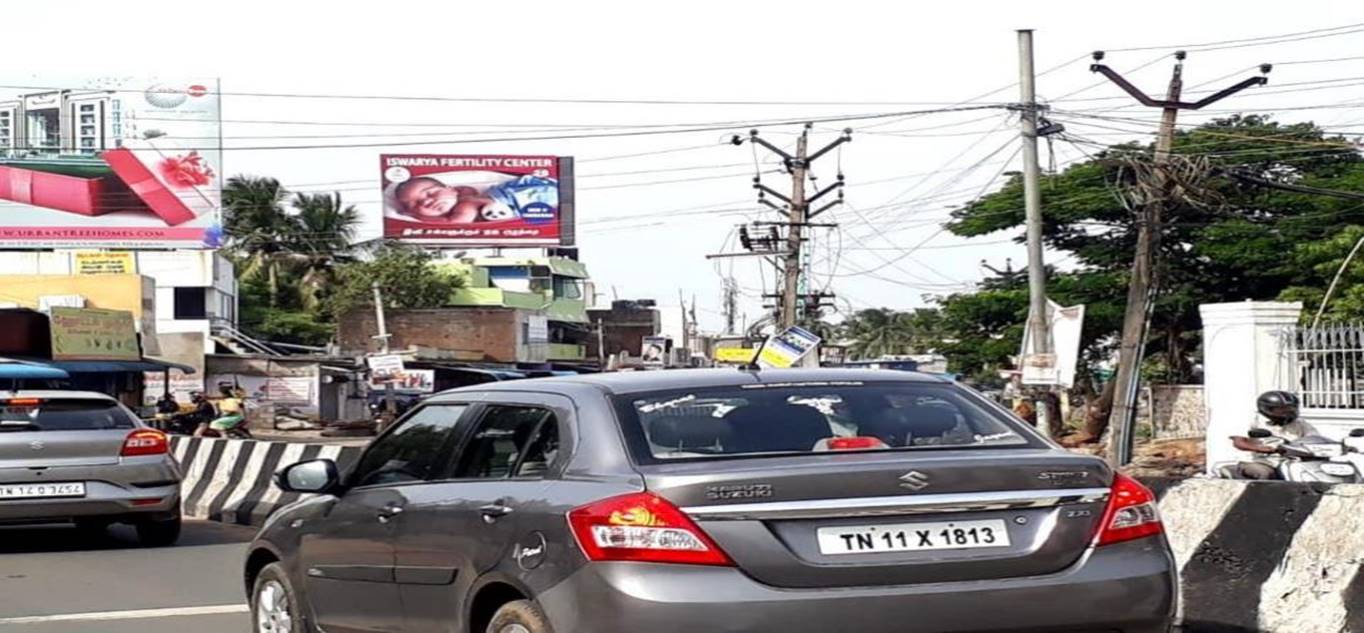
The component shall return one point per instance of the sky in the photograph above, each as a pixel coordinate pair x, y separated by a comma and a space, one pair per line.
652, 206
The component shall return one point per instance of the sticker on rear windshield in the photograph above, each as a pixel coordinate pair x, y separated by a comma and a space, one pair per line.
666, 404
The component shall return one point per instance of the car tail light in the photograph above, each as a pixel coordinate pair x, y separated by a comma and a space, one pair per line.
1131, 512
145, 442
23, 402
849, 444
642, 527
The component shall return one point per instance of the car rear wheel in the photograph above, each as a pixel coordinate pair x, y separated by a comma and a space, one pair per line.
159, 533
274, 606
521, 616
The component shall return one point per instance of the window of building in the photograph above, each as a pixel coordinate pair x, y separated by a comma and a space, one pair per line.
191, 303
567, 288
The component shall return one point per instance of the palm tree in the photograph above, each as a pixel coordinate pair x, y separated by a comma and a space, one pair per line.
303, 241
255, 224
879, 332
321, 231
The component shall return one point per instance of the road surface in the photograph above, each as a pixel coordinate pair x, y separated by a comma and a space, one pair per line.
54, 580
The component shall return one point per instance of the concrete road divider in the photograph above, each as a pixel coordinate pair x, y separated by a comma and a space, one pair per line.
232, 481
1254, 557
1267, 557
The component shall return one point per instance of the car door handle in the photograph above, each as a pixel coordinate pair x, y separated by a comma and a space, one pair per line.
385, 515
494, 511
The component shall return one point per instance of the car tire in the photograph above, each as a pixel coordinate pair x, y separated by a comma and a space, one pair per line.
274, 603
159, 533
521, 616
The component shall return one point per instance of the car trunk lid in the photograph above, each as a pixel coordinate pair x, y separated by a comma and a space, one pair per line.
893, 517
45, 433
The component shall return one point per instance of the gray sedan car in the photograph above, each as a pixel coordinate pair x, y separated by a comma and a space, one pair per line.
78, 456
799, 501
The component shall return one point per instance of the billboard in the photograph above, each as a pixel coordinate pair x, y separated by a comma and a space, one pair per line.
91, 334
115, 163
478, 200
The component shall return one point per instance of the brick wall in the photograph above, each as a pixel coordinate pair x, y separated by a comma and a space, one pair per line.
624, 327
492, 332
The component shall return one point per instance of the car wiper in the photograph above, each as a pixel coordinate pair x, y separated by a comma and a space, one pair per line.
18, 426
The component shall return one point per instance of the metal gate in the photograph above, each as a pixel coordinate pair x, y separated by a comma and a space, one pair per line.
1327, 364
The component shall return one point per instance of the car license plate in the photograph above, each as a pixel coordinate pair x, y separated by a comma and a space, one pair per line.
911, 537
41, 491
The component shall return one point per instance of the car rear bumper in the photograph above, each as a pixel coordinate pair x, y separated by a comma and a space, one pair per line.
1127, 588
134, 490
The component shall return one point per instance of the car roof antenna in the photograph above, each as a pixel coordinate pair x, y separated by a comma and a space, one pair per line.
752, 364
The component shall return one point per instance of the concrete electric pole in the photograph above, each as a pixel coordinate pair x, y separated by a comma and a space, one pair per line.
798, 213
1141, 292
1032, 198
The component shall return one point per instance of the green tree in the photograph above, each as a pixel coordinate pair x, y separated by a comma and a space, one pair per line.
406, 278
255, 225
1231, 241
286, 257
877, 332
319, 236
1322, 260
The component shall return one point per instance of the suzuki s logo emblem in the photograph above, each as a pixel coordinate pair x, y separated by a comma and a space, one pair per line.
36, 445
914, 480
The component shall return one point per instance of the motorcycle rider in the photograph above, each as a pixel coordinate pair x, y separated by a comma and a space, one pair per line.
1280, 409
167, 404
230, 410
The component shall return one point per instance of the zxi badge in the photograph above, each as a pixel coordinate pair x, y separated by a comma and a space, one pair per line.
36, 445
914, 480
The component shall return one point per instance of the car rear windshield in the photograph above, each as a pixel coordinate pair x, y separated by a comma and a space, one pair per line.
765, 419
63, 415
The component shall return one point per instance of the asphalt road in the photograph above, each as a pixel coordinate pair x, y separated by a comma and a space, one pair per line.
55, 580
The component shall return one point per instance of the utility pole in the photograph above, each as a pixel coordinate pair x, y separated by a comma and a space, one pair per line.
390, 401
1032, 199
1142, 289
601, 346
686, 330
798, 213
731, 304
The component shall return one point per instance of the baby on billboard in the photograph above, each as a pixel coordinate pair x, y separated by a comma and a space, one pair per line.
467, 197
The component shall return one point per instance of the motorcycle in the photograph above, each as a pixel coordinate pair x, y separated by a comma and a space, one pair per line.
176, 423
238, 431
1319, 459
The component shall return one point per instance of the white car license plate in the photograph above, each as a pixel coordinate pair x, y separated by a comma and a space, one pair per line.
41, 491
910, 537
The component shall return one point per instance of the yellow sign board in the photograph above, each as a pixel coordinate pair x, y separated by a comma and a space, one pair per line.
105, 263
733, 354
89, 334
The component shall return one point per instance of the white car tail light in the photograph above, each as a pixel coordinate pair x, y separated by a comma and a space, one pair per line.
1131, 513
145, 442
642, 527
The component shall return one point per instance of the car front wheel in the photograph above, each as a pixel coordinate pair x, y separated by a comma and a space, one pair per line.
274, 607
521, 616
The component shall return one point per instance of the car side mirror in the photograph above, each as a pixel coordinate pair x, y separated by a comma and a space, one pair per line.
1260, 434
316, 476
1357, 433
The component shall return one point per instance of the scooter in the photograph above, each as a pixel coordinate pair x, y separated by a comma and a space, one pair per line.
1319, 459
236, 432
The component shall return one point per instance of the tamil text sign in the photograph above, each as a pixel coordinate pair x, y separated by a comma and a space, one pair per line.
89, 334
100, 263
